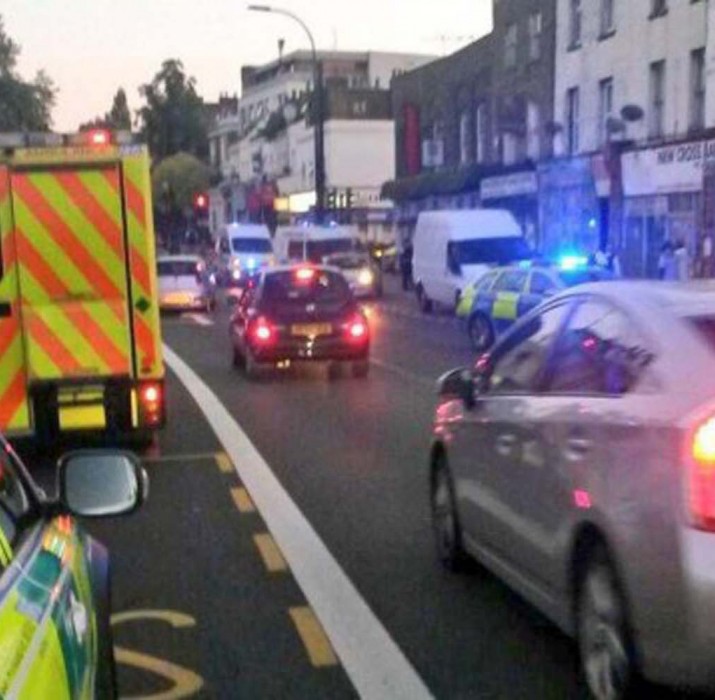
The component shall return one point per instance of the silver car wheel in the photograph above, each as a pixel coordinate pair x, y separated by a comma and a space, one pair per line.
445, 522
602, 639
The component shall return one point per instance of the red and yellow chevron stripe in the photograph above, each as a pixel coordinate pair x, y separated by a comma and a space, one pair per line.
14, 407
71, 262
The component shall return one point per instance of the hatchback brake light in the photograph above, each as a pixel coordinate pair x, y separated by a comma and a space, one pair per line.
700, 484
262, 331
357, 328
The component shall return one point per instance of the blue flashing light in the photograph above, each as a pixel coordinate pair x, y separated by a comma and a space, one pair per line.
525, 264
572, 262
251, 263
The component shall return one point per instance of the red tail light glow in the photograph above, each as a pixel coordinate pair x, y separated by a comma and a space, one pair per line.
151, 402
262, 331
701, 476
357, 328
304, 274
99, 137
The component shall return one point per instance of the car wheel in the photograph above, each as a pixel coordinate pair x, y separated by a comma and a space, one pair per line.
425, 303
606, 651
238, 359
481, 332
361, 368
445, 519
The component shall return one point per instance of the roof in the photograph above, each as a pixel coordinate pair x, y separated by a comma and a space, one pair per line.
179, 258
461, 223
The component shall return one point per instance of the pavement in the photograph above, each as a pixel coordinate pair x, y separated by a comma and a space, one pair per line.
285, 550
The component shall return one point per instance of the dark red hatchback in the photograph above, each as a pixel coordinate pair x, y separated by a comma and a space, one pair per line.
299, 313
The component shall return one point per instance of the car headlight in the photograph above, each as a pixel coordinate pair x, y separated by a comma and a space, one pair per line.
236, 274
365, 277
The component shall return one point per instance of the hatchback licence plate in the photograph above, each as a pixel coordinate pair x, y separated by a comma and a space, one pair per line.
312, 330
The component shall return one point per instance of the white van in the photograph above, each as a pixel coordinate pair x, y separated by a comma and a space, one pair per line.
243, 249
452, 249
312, 242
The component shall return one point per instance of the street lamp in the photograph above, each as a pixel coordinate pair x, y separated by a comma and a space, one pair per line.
318, 110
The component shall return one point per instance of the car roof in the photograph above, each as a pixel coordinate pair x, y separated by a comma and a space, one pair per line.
179, 258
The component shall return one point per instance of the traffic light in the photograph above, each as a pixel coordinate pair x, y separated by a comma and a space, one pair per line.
332, 198
201, 201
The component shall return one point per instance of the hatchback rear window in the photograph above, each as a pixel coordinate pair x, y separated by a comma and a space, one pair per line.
316, 286
251, 245
176, 268
346, 262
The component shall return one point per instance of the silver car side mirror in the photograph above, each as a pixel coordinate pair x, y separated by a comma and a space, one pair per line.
101, 483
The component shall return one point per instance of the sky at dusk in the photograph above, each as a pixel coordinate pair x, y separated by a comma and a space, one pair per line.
92, 47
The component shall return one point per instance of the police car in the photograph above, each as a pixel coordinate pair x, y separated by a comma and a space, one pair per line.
496, 300
55, 637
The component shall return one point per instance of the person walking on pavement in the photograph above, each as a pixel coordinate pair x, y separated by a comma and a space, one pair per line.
681, 261
667, 269
406, 265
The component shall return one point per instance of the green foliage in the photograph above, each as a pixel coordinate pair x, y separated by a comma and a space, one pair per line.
176, 179
118, 117
24, 106
173, 118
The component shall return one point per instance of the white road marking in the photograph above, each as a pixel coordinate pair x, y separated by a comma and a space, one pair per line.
374, 663
200, 319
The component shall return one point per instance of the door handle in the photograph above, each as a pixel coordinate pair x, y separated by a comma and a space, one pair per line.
577, 448
5, 309
505, 444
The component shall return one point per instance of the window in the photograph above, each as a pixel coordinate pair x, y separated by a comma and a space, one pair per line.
607, 19
486, 282
511, 281
510, 148
605, 108
535, 28
485, 251
540, 283
697, 89
657, 99
510, 38
464, 138
480, 123
533, 130
658, 8
518, 361
599, 353
14, 504
572, 117
251, 245
574, 23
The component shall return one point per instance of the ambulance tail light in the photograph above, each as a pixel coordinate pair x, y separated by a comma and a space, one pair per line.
151, 403
700, 476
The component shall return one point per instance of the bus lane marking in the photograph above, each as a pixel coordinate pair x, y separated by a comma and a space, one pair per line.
376, 666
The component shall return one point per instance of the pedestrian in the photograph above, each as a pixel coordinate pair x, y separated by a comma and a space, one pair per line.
667, 269
681, 261
406, 265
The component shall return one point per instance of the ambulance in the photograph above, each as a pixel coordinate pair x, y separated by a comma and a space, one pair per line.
80, 342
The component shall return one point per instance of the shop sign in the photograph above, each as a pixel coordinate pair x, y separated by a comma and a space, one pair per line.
513, 185
666, 170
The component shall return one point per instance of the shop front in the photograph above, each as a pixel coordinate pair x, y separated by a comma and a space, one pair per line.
663, 201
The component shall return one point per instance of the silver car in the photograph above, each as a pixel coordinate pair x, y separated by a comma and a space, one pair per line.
577, 462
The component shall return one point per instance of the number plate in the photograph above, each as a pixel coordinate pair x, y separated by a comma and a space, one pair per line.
311, 329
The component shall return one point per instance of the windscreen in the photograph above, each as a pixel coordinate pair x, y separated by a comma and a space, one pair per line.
251, 245
321, 287
176, 268
573, 277
317, 250
499, 251
346, 262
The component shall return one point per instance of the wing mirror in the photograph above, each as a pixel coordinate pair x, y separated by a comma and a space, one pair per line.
101, 483
458, 384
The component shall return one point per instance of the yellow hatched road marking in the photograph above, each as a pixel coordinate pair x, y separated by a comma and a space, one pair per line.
270, 553
224, 463
243, 500
316, 642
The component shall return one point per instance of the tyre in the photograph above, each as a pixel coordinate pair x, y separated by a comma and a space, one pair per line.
445, 519
424, 302
361, 368
604, 642
254, 371
481, 332
238, 359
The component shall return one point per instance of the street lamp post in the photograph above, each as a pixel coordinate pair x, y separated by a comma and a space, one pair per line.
319, 139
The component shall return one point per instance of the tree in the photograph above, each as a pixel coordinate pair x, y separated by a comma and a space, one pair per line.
173, 118
176, 179
24, 106
118, 117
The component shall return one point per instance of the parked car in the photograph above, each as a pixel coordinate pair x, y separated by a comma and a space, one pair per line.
454, 248
361, 273
185, 283
491, 305
300, 313
576, 461
54, 578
